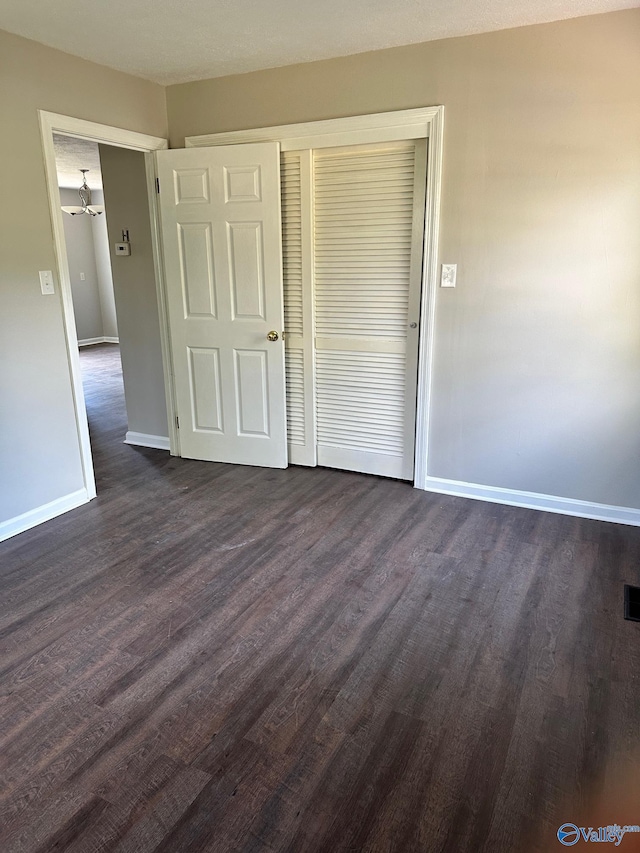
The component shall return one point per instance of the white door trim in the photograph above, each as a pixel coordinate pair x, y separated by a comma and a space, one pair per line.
51, 123
379, 127
353, 130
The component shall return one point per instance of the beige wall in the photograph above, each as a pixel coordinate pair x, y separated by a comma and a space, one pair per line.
39, 455
134, 285
103, 268
537, 351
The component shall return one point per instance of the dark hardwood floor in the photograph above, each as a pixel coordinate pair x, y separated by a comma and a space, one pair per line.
234, 659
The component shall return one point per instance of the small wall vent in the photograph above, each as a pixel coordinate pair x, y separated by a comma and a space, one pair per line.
632, 602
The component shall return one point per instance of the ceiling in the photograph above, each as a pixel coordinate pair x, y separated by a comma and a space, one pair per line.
73, 154
173, 41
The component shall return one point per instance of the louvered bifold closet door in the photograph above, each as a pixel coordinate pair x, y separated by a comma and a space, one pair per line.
297, 257
369, 225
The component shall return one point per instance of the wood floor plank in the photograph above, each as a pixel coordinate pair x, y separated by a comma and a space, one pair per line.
230, 659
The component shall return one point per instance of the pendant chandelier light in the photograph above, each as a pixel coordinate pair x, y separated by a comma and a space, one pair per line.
85, 197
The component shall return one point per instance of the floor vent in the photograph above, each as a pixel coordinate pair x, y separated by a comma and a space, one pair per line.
632, 602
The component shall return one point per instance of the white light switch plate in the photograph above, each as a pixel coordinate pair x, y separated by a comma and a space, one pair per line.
46, 282
448, 277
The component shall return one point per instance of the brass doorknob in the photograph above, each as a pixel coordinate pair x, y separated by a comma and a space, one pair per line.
272, 336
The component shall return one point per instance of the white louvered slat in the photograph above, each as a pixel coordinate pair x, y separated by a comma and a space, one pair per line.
365, 248
298, 305
292, 242
343, 420
352, 275
294, 364
292, 281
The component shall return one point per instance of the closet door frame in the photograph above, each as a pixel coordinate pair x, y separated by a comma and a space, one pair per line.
421, 123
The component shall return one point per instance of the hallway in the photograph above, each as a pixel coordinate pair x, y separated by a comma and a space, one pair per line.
106, 412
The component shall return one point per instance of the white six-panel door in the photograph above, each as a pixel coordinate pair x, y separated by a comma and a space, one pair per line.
221, 229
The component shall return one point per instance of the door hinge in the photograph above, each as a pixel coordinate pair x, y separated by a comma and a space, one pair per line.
157, 185
177, 422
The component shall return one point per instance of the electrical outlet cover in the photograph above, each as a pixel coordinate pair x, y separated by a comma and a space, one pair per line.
46, 282
448, 278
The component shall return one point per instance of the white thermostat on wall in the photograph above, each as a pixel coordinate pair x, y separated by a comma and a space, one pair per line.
123, 248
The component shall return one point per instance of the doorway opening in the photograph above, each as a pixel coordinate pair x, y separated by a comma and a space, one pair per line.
112, 277
92, 290
114, 330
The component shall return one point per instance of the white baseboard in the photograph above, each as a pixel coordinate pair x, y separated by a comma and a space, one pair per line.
88, 342
143, 439
533, 500
41, 514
